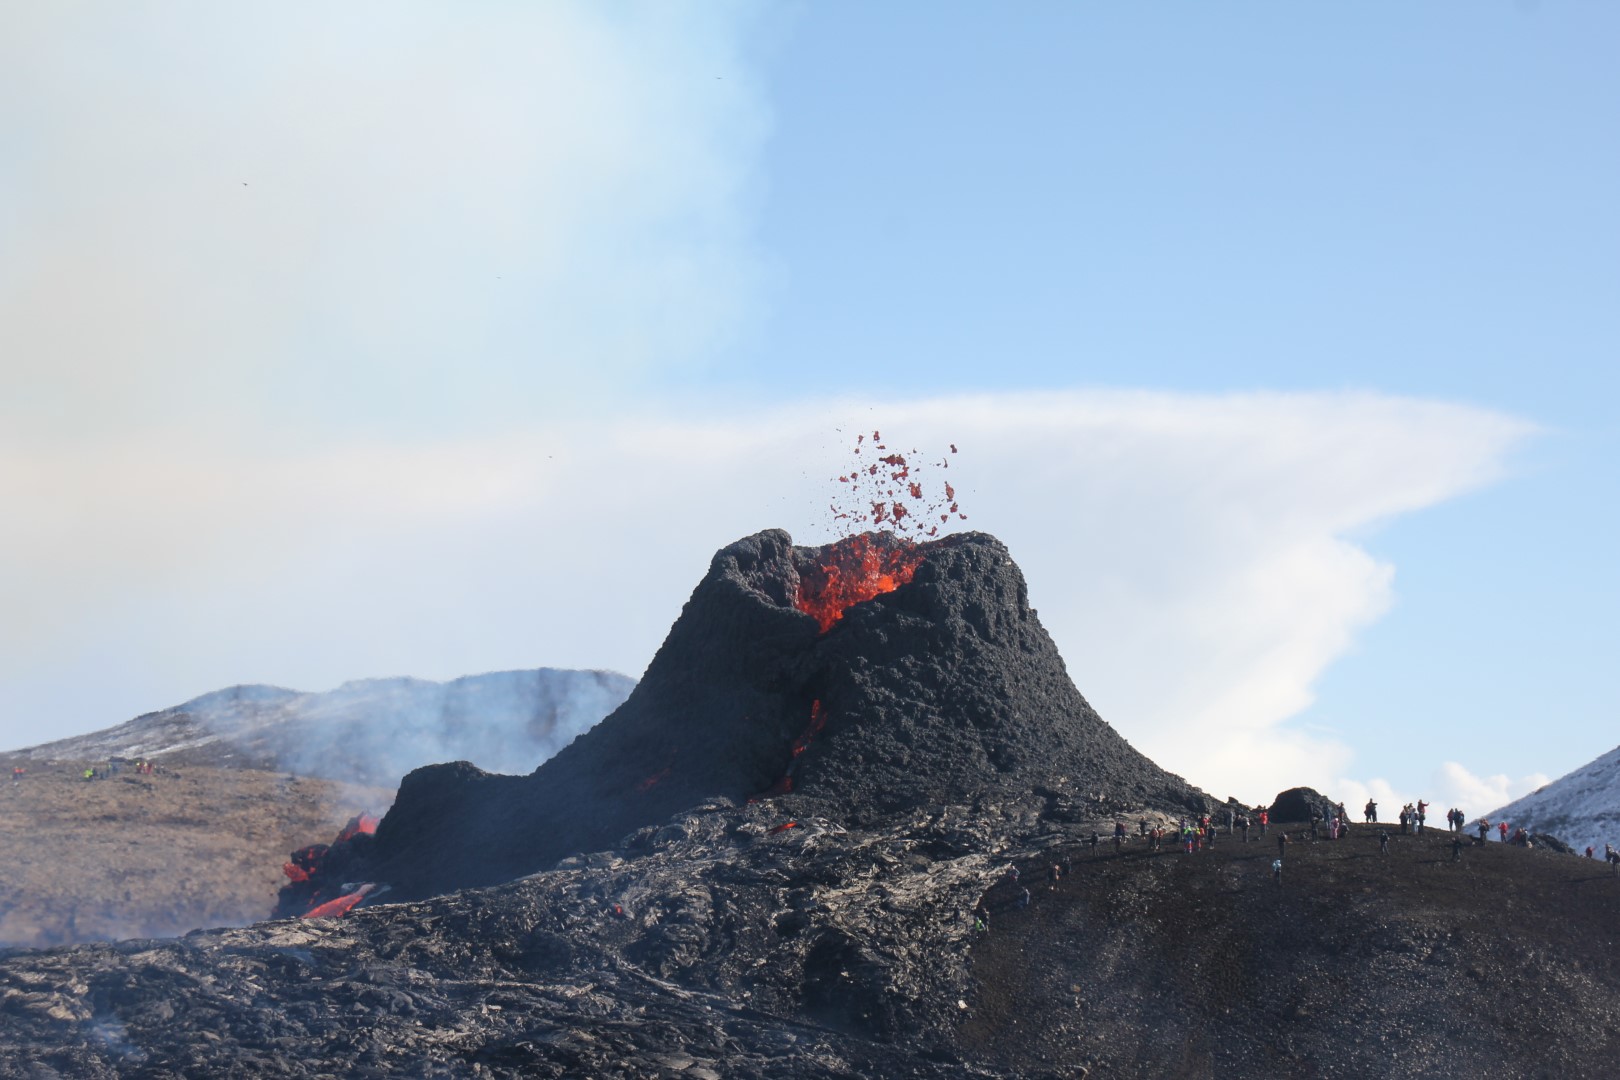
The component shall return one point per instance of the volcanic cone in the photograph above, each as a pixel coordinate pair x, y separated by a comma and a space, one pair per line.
857, 680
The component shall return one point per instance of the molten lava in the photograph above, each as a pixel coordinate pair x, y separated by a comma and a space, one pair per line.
853, 570
784, 786
818, 720
315, 874
364, 823
342, 905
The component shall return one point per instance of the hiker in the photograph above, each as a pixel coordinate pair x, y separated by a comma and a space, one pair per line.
1612, 856
1404, 819
1276, 871
1484, 830
1265, 819
1023, 899
1383, 841
1589, 850
1502, 828
1344, 819
1012, 875
1282, 844
1065, 867
1095, 840
1456, 849
1142, 827
1054, 875
1422, 815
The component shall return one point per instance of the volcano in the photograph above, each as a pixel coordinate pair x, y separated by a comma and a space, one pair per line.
853, 681
784, 855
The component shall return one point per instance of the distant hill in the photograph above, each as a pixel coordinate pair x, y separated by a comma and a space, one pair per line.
371, 731
1582, 808
244, 776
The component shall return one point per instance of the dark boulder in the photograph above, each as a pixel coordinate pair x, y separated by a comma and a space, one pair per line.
1296, 804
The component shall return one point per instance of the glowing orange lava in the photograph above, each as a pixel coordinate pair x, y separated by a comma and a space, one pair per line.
364, 823
652, 781
818, 720
341, 906
853, 570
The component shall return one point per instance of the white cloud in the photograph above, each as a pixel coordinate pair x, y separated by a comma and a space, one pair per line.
1480, 794
1449, 785
1190, 555
383, 216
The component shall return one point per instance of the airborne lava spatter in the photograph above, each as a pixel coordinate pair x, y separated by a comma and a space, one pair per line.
878, 492
889, 494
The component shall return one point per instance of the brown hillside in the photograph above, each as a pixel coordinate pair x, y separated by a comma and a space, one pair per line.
148, 856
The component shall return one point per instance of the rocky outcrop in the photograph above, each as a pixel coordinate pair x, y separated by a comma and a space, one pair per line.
1296, 804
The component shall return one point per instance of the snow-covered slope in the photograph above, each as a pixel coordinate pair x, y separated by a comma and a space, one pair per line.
1582, 809
371, 731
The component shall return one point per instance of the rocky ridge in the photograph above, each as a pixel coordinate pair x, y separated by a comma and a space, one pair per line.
370, 731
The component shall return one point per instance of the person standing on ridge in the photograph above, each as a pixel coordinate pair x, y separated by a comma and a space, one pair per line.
1501, 829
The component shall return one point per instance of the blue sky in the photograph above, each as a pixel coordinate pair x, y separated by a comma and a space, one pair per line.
415, 341
1414, 201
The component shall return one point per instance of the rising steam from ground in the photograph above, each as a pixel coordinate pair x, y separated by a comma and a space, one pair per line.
377, 730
